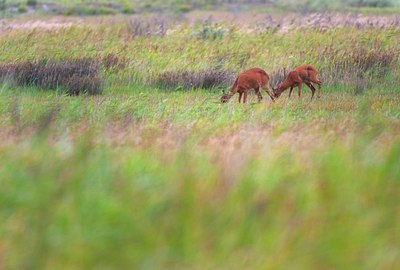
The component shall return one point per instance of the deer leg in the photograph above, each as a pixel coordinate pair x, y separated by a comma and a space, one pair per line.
312, 89
240, 96
290, 92
245, 97
299, 86
260, 97
269, 93
319, 83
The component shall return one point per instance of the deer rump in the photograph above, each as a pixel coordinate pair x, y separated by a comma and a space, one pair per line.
306, 73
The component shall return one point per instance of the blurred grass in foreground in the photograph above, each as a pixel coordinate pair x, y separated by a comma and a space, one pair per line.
251, 190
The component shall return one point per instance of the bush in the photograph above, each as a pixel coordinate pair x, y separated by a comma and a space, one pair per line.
192, 79
183, 8
22, 8
105, 11
127, 9
209, 31
88, 10
73, 76
371, 3
31, 3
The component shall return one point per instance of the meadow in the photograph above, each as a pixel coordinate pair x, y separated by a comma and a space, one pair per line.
153, 172
112, 7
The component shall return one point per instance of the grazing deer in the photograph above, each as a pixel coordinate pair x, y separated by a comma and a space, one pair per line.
296, 77
250, 79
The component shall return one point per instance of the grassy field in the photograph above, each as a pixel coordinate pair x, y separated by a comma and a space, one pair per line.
154, 173
104, 7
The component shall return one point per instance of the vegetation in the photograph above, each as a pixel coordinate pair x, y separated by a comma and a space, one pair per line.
31, 2
133, 53
74, 77
104, 7
22, 8
155, 173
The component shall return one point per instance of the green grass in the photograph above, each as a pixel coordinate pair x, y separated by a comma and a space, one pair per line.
151, 178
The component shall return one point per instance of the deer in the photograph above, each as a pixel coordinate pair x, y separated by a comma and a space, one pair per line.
254, 78
296, 77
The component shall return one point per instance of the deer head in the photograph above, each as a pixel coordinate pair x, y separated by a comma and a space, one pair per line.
277, 90
225, 97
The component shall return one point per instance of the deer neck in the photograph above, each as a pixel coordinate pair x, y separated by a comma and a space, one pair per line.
285, 85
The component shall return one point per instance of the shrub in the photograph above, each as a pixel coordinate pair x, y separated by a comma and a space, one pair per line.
105, 11
69, 11
371, 3
209, 31
73, 76
22, 8
183, 8
191, 79
31, 3
87, 10
127, 9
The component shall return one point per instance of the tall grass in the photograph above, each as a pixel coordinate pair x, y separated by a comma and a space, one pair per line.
193, 79
144, 178
342, 56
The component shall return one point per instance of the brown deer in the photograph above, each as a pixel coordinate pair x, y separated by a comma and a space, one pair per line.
296, 77
250, 79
